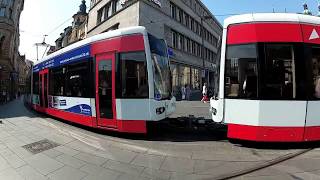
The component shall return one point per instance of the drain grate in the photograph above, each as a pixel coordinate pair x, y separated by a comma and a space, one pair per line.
40, 146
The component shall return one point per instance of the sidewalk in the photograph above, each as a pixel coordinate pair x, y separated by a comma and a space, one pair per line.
76, 153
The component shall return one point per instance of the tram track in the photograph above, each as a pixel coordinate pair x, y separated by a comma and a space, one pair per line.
261, 166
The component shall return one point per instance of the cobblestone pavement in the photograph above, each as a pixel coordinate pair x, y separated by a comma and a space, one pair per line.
88, 154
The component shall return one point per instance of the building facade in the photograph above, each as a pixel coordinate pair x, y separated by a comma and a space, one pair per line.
190, 30
74, 33
10, 11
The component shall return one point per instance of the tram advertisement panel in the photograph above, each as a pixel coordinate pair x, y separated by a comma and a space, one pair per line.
67, 58
71, 104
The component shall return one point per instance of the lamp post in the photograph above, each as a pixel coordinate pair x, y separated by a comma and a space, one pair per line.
203, 18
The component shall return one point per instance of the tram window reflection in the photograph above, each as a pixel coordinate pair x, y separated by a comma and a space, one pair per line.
280, 76
241, 72
36, 83
316, 71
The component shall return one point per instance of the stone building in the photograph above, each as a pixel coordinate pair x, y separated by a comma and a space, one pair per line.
191, 32
10, 11
76, 32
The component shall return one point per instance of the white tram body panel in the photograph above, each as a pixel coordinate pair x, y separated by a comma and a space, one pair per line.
281, 109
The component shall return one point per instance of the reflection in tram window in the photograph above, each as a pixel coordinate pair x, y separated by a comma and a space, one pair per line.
316, 71
280, 75
134, 81
77, 80
57, 81
241, 72
35, 83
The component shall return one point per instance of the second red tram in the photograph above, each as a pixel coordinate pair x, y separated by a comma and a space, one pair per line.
269, 88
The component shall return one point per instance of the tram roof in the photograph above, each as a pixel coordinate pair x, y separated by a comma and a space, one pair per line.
271, 17
96, 38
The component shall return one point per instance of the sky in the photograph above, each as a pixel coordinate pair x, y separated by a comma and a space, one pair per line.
50, 17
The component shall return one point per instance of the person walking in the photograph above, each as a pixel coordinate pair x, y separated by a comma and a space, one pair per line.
204, 93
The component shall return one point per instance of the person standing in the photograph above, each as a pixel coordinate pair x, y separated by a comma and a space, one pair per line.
188, 92
204, 93
183, 92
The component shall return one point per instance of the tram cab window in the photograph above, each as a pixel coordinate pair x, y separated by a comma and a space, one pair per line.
316, 72
133, 75
241, 72
279, 72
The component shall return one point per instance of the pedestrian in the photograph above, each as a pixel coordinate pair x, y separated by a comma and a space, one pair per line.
204, 93
188, 92
183, 92
4, 95
317, 88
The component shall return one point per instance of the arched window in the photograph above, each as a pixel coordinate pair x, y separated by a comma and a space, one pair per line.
2, 38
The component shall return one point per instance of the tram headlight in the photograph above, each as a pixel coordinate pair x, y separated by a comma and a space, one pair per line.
213, 111
160, 110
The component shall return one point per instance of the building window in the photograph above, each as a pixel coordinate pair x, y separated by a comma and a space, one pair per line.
108, 10
174, 39
186, 20
180, 15
118, 5
2, 12
100, 15
173, 10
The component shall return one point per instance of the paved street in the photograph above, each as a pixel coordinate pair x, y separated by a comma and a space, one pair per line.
88, 154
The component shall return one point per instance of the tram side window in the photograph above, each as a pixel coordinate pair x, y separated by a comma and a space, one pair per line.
133, 75
241, 72
316, 71
35, 83
279, 72
77, 80
57, 81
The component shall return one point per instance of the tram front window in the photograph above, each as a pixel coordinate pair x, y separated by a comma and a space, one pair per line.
316, 72
279, 72
161, 68
241, 72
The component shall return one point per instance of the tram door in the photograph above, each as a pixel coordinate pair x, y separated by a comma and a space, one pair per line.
105, 90
44, 83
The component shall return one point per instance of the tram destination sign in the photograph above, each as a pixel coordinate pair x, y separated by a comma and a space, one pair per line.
66, 58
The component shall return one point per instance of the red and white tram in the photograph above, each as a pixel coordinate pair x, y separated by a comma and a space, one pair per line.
117, 81
269, 88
